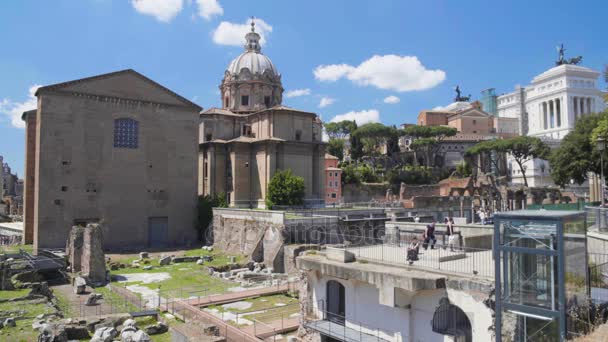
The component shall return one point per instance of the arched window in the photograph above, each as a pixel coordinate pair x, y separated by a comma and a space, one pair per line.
126, 133
451, 320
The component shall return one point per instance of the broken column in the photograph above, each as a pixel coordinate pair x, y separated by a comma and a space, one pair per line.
85, 252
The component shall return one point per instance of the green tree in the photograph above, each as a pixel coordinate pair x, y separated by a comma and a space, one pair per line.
601, 131
285, 188
356, 146
427, 139
523, 149
341, 129
205, 211
487, 148
577, 154
374, 135
464, 169
335, 147
414, 175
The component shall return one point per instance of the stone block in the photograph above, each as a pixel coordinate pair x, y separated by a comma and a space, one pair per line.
166, 260
339, 254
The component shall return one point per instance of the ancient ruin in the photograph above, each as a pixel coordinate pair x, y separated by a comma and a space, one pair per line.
85, 252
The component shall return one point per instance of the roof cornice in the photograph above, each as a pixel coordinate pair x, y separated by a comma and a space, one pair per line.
114, 99
57, 86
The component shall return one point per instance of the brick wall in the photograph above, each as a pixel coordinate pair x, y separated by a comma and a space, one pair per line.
29, 178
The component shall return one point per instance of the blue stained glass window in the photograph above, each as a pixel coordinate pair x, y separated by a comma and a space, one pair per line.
126, 133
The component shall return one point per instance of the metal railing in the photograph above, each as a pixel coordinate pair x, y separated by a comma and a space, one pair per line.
597, 219
341, 327
441, 255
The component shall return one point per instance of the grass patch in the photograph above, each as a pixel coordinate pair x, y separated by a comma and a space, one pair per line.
187, 279
15, 249
14, 293
24, 312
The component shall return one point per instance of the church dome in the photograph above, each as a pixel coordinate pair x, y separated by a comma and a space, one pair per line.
255, 61
252, 58
251, 82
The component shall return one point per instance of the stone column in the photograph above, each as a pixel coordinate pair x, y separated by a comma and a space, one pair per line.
558, 119
545, 121
581, 101
551, 114
574, 108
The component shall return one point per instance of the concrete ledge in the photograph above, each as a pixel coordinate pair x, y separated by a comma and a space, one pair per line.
379, 275
452, 257
339, 255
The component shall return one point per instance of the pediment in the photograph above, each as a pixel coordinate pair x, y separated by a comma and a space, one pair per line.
126, 84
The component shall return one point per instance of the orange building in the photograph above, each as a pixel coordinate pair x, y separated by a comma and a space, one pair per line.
333, 179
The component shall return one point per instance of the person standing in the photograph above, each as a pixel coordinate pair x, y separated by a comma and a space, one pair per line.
429, 235
451, 234
482, 216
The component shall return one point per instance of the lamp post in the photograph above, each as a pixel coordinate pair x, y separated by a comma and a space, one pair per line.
601, 146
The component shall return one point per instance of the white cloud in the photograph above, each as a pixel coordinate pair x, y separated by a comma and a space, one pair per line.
209, 8
326, 101
297, 92
233, 34
390, 72
361, 117
14, 110
392, 99
331, 73
162, 10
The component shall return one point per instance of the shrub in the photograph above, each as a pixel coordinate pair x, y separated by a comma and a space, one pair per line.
205, 211
285, 188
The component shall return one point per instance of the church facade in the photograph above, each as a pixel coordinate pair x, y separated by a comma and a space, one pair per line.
253, 135
118, 149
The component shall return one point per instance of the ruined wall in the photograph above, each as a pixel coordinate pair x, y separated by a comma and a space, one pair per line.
257, 234
84, 249
364, 192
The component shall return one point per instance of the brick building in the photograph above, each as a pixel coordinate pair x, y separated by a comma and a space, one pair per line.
119, 149
333, 177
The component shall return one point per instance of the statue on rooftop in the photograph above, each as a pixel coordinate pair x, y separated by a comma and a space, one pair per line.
460, 98
563, 60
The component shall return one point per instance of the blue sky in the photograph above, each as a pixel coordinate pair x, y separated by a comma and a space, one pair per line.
422, 48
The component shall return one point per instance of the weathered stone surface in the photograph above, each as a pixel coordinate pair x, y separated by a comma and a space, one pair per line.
135, 336
85, 252
80, 285
40, 289
178, 259
93, 298
53, 333
129, 323
200, 262
104, 334
10, 322
157, 328
143, 255
166, 260
147, 268
77, 332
